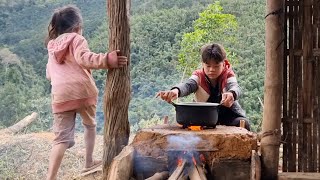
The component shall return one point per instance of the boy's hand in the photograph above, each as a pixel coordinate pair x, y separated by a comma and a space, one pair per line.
168, 96
115, 60
227, 99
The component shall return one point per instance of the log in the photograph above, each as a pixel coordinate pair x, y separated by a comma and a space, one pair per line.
179, 170
122, 165
255, 166
159, 176
197, 173
20, 125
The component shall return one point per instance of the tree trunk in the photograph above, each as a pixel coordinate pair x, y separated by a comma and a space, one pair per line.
118, 88
273, 90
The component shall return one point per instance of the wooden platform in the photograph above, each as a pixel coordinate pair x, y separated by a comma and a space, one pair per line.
298, 176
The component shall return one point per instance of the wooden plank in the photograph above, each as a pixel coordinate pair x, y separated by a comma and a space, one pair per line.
286, 58
291, 84
255, 166
307, 81
315, 104
293, 157
298, 45
298, 176
313, 133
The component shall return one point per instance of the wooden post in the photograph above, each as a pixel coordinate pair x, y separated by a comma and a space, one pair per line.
273, 87
118, 88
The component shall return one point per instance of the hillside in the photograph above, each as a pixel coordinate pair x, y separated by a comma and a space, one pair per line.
26, 157
157, 28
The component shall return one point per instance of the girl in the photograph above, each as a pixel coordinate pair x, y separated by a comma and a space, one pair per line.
216, 83
73, 87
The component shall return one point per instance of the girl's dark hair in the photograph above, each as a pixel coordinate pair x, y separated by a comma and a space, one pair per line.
66, 19
213, 52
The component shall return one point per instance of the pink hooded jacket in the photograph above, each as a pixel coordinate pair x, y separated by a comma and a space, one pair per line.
68, 69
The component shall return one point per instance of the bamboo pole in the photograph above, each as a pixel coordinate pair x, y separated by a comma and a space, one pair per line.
273, 87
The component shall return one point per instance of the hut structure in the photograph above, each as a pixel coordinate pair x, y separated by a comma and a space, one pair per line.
292, 87
301, 86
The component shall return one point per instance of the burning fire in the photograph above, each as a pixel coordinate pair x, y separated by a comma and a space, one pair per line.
195, 128
190, 164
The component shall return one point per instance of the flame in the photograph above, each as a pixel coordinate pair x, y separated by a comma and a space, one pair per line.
195, 128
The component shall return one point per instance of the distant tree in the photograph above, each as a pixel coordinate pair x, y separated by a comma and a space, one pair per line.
211, 26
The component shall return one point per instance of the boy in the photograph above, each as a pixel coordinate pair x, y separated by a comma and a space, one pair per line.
216, 83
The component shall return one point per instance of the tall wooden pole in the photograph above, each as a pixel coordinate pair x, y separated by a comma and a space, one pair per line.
118, 88
273, 90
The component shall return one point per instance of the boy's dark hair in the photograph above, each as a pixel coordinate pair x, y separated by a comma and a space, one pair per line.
213, 52
64, 20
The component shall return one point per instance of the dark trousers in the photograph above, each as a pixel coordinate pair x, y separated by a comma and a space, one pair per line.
229, 118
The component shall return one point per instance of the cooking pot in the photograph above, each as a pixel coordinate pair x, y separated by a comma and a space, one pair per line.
197, 113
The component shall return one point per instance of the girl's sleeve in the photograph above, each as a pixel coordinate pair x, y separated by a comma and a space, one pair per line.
86, 58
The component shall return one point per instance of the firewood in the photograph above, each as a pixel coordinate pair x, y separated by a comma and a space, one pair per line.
196, 173
175, 175
255, 166
159, 176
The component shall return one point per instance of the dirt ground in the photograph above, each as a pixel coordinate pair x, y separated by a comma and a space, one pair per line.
26, 156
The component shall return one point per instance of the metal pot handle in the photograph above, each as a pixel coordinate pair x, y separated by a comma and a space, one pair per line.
173, 104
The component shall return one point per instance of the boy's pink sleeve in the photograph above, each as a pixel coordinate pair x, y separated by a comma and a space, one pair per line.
86, 58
